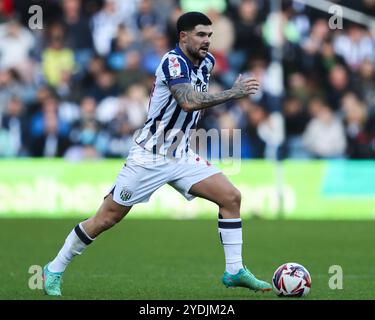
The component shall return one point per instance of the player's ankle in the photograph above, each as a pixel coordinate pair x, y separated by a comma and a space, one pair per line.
230, 215
233, 268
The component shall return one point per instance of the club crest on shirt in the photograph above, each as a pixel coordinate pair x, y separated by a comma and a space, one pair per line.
125, 194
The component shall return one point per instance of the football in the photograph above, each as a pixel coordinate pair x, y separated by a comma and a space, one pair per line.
291, 280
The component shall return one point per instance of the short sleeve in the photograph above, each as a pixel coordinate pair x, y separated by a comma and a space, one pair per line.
211, 62
175, 70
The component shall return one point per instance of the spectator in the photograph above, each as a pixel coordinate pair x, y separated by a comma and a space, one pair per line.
104, 26
95, 67
13, 130
121, 45
153, 55
221, 46
324, 136
135, 104
104, 86
256, 115
10, 86
171, 31
296, 119
51, 142
130, 115
92, 66
326, 60
120, 139
87, 130
17, 43
355, 46
269, 93
221, 25
318, 35
133, 71
366, 84
338, 85
248, 40
147, 21
297, 87
290, 31
359, 127
57, 60
78, 33
49, 105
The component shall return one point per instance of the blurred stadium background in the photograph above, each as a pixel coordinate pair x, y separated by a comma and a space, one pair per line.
73, 93
76, 87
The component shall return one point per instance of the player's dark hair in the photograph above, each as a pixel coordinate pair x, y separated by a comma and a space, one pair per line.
189, 20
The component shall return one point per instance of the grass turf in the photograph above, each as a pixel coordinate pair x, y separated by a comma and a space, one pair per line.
162, 259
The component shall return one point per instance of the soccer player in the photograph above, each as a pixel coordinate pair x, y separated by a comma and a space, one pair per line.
161, 155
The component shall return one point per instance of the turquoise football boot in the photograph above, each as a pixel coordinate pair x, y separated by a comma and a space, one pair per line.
244, 278
52, 282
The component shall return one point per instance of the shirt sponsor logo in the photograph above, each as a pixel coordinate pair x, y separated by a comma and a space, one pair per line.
174, 67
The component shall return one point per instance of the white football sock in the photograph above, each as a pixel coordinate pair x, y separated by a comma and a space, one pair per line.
75, 243
230, 231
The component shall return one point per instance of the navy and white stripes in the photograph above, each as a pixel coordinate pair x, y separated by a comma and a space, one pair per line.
169, 127
82, 235
230, 223
230, 231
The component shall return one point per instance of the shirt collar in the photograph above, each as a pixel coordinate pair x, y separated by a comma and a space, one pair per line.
189, 62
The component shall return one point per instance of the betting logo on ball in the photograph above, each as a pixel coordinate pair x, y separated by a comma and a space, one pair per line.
291, 280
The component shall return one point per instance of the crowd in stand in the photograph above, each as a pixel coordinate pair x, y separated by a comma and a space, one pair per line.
79, 87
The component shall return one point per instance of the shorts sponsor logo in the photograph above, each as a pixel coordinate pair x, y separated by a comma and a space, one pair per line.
125, 194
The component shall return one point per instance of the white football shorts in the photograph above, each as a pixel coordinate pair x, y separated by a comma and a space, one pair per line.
145, 172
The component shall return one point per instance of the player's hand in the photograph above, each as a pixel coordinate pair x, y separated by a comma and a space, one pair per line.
245, 86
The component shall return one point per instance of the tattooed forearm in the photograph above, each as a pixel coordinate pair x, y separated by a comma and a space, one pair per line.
191, 100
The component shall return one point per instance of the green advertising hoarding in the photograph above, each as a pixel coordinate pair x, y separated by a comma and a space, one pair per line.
304, 190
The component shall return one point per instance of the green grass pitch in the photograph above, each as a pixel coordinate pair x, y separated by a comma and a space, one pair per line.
162, 259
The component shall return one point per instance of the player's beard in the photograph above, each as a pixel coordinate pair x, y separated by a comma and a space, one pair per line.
198, 53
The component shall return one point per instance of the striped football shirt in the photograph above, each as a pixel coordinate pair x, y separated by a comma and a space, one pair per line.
168, 126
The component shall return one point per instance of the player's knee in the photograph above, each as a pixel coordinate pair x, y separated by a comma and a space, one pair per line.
108, 220
105, 223
233, 200
234, 197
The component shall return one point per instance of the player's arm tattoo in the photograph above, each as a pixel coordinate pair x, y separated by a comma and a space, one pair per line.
191, 100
